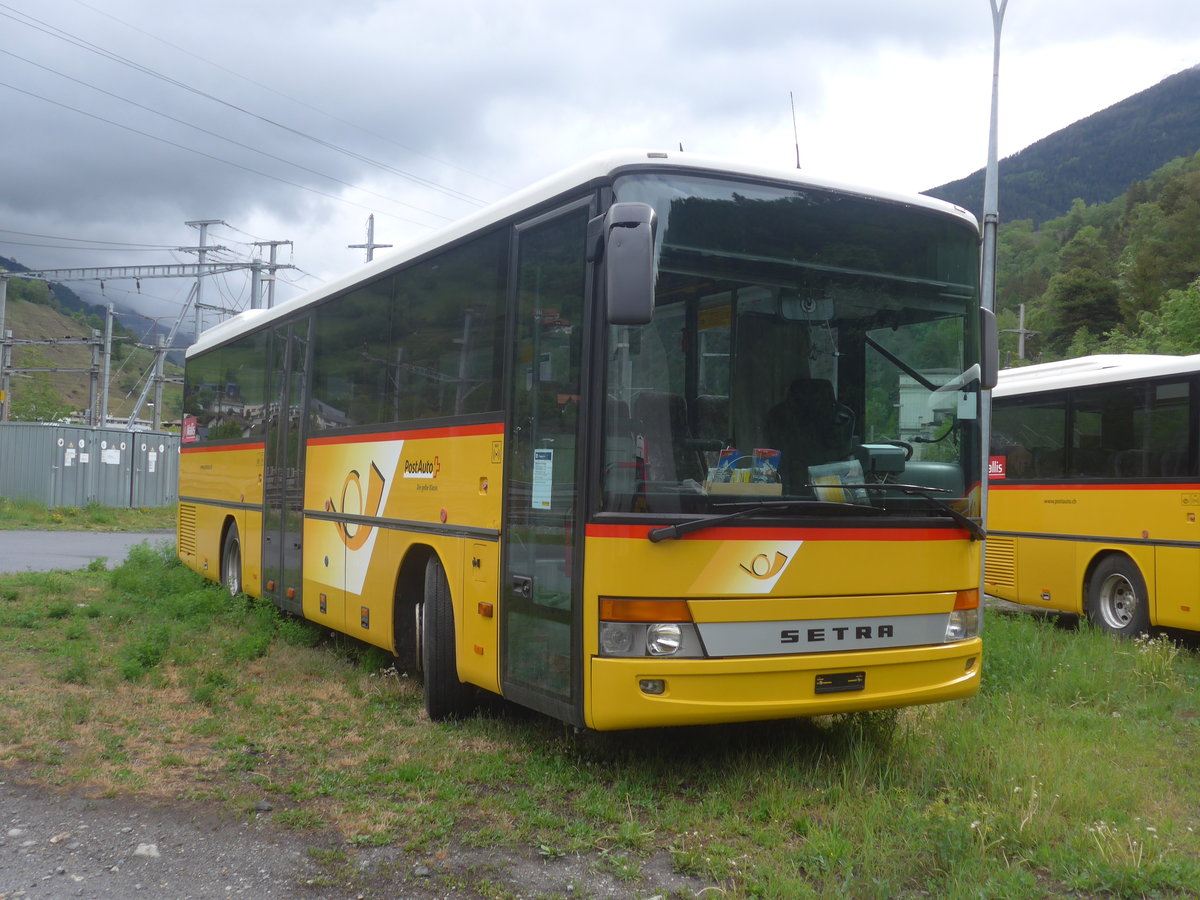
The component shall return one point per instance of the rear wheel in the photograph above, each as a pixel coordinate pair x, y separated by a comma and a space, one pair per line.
1117, 600
445, 696
231, 561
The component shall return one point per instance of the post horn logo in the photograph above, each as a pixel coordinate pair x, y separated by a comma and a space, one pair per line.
354, 535
763, 568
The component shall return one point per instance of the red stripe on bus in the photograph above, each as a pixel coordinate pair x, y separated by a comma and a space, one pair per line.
209, 448
490, 428
1111, 486
787, 533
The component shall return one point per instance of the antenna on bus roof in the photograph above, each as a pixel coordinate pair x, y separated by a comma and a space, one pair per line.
795, 131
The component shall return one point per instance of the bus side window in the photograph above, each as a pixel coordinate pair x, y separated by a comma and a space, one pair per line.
1047, 462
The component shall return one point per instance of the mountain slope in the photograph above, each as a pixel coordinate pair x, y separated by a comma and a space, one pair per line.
1097, 158
36, 322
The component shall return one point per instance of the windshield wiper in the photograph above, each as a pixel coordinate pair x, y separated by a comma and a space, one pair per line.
978, 532
679, 529
674, 532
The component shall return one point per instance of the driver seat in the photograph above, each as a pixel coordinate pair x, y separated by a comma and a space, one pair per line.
808, 428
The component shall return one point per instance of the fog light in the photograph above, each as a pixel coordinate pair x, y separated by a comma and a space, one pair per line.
664, 639
616, 638
652, 686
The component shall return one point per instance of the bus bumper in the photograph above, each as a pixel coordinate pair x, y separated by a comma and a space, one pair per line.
712, 691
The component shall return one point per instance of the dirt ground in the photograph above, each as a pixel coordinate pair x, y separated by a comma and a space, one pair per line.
69, 844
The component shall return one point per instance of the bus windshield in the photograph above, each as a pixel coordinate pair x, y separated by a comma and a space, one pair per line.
803, 340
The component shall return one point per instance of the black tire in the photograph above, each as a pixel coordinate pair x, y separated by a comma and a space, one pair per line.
445, 696
231, 562
1117, 600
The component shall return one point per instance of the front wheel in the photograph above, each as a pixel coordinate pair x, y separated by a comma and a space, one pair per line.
231, 562
1117, 600
445, 696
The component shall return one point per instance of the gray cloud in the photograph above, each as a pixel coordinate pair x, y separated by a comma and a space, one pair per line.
442, 106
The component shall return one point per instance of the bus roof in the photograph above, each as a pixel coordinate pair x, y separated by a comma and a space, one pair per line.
1089, 370
594, 170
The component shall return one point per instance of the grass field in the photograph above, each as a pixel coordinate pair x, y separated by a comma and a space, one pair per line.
1075, 773
21, 514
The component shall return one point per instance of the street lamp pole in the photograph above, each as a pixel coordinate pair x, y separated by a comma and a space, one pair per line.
987, 270
991, 206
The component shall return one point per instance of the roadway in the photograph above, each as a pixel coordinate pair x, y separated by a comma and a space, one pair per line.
44, 551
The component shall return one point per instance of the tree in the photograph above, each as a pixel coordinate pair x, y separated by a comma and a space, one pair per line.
1180, 320
30, 291
1084, 343
1081, 298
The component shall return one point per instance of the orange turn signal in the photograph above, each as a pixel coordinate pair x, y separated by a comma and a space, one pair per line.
967, 599
616, 610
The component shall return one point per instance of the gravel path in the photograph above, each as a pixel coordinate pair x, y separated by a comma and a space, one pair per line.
59, 845
62, 845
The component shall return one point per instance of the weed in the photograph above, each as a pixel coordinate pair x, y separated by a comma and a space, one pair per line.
1154, 660
298, 820
327, 857
75, 631
249, 646
619, 865
633, 836
144, 652
76, 669
76, 710
206, 686
299, 632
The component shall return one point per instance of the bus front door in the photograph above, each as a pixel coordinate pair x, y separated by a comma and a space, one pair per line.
540, 617
283, 468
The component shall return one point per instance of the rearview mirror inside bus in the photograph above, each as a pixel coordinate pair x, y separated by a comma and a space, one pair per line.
629, 263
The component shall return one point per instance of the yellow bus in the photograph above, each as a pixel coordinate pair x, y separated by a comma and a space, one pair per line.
661, 440
1094, 492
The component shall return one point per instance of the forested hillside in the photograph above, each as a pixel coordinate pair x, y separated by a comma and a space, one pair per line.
34, 314
1115, 277
1095, 159
61, 297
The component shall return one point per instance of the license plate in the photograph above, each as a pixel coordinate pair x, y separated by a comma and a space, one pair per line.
841, 682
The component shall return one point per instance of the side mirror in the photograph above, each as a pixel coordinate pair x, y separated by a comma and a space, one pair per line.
989, 351
629, 263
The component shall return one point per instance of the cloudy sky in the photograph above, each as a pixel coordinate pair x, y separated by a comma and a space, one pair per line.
297, 120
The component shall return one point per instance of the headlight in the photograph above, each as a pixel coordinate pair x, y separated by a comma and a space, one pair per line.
616, 638
962, 624
664, 639
647, 628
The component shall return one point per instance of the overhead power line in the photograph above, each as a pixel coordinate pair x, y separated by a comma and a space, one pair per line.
8, 243
227, 162
63, 35
107, 244
220, 136
288, 97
